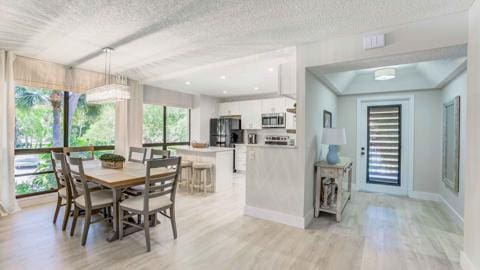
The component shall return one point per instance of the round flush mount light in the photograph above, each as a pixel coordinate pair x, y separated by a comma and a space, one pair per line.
271, 69
255, 88
224, 92
223, 77
188, 83
385, 74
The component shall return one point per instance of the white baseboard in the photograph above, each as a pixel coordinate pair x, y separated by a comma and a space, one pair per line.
426, 196
465, 262
36, 200
287, 219
453, 213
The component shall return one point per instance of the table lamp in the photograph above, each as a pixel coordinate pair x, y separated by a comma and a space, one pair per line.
333, 137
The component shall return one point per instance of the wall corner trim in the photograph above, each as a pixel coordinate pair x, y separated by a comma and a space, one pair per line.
456, 216
287, 219
465, 262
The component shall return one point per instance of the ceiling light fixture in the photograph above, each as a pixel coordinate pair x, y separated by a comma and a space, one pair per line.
385, 74
224, 92
271, 69
188, 83
223, 77
110, 91
255, 88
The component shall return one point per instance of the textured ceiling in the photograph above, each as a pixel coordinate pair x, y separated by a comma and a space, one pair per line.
155, 38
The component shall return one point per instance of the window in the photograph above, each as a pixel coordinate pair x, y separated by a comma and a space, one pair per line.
152, 124
90, 124
40, 125
177, 125
165, 126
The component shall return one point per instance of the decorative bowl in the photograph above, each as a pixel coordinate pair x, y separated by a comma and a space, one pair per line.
112, 164
199, 145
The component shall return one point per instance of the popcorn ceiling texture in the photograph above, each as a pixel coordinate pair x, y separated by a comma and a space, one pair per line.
153, 38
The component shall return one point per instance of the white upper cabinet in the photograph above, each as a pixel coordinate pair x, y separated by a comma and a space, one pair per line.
228, 109
273, 105
251, 114
291, 118
288, 79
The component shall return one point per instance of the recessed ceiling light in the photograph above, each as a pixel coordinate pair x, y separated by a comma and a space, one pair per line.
255, 88
224, 92
385, 74
271, 69
223, 77
188, 83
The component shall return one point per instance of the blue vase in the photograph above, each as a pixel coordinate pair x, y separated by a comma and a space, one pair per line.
332, 156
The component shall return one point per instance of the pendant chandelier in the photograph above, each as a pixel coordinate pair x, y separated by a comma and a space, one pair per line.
110, 91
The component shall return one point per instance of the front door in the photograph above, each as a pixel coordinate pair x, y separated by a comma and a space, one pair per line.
383, 142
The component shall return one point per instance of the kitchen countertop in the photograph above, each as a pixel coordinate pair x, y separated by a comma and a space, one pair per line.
212, 149
272, 146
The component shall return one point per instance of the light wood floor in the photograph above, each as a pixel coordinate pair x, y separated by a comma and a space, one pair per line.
377, 232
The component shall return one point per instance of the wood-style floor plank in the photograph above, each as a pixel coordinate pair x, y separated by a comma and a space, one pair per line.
377, 232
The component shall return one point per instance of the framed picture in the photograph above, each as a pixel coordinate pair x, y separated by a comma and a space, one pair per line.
327, 119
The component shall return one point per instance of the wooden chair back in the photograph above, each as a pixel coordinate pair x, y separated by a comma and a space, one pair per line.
83, 152
159, 154
60, 171
77, 175
163, 185
137, 154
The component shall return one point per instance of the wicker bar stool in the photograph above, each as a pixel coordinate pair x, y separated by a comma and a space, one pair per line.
202, 176
186, 174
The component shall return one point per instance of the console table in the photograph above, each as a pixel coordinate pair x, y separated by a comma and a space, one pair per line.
330, 196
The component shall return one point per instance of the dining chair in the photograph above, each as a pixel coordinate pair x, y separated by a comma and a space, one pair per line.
84, 152
159, 196
90, 201
64, 190
159, 153
137, 154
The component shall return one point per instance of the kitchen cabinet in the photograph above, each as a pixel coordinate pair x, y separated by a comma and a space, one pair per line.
240, 157
229, 109
288, 83
273, 105
291, 117
251, 114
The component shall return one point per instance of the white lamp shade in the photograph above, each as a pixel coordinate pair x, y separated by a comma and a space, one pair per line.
335, 136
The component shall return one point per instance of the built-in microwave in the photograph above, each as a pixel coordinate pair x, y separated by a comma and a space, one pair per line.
273, 120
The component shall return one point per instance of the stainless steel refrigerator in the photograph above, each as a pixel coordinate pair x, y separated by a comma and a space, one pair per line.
225, 132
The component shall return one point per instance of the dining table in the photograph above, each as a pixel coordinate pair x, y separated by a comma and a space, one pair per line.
118, 180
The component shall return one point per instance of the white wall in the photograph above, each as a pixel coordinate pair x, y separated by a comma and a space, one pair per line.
471, 258
204, 108
427, 135
318, 98
457, 87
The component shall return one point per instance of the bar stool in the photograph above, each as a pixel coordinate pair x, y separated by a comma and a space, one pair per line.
186, 178
202, 174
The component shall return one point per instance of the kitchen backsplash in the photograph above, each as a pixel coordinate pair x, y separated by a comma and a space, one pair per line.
262, 133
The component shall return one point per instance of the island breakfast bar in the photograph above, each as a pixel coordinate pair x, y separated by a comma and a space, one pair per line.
220, 157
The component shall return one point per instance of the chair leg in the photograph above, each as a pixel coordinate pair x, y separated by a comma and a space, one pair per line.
204, 176
139, 219
146, 228
67, 214
86, 226
74, 221
174, 223
120, 224
57, 209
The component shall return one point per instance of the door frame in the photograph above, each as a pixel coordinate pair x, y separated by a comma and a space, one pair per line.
409, 149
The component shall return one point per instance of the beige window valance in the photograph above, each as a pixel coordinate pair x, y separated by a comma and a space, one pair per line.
42, 74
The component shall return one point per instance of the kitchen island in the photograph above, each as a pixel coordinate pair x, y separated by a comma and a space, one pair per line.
220, 157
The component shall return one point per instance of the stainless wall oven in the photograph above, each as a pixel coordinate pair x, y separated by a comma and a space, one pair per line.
273, 120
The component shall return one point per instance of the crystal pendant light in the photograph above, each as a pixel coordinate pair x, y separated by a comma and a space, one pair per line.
110, 91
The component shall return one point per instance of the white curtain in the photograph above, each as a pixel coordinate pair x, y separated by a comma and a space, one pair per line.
8, 202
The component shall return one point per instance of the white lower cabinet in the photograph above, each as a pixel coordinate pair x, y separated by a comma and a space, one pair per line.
240, 157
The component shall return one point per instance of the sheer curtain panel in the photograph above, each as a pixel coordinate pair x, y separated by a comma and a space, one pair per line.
8, 201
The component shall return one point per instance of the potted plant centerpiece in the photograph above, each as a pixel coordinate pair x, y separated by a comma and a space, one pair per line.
112, 161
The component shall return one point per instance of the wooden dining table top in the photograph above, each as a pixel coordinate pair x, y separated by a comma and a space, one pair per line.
131, 174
